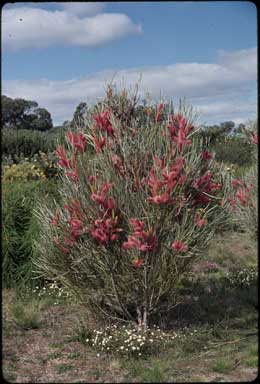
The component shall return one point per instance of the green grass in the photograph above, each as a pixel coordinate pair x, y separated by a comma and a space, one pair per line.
56, 345
231, 249
73, 355
251, 362
64, 368
54, 355
10, 374
79, 333
223, 365
26, 315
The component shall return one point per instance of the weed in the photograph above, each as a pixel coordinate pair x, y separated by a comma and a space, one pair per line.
222, 366
9, 375
80, 333
73, 355
64, 368
26, 316
252, 362
56, 345
54, 355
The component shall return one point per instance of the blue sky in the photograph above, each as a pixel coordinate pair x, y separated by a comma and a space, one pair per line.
59, 54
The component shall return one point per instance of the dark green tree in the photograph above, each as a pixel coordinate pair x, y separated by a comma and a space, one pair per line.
16, 112
80, 113
41, 120
24, 114
240, 129
227, 127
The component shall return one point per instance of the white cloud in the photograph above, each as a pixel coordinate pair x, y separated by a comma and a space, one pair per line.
81, 24
220, 91
235, 110
82, 8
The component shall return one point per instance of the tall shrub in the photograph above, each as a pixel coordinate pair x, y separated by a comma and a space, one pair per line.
245, 190
137, 214
20, 228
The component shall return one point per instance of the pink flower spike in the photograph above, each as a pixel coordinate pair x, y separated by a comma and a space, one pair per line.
99, 143
138, 263
158, 112
55, 220
132, 242
179, 246
159, 199
206, 155
77, 140
63, 160
254, 138
199, 221
137, 225
73, 175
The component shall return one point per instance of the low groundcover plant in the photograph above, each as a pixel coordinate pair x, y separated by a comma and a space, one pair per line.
128, 341
140, 201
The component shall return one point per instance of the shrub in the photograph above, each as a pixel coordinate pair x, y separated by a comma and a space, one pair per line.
233, 150
136, 215
41, 166
22, 172
245, 190
26, 315
19, 227
17, 143
47, 162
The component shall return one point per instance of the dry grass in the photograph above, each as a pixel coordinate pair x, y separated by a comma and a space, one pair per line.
55, 351
52, 354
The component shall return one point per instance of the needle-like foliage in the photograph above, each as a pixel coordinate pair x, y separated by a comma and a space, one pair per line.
140, 202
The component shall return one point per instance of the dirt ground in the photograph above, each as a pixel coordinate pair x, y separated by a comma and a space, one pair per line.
49, 355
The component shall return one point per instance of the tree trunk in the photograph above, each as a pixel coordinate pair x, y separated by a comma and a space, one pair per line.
142, 318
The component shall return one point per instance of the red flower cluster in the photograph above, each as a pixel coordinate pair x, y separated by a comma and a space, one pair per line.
75, 220
99, 143
199, 221
138, 263
141, 240
179, 129
179, 246
237, 183
242, 192
243, 196
75, 228
56, 219
254, 138
102, 199
102, 124
159, 112
206, 155
162, 187
118, 164
64, 162
205, 182
106, 230
77, 140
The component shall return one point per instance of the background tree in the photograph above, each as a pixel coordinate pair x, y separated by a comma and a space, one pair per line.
40, 120
80, 113
24, 114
